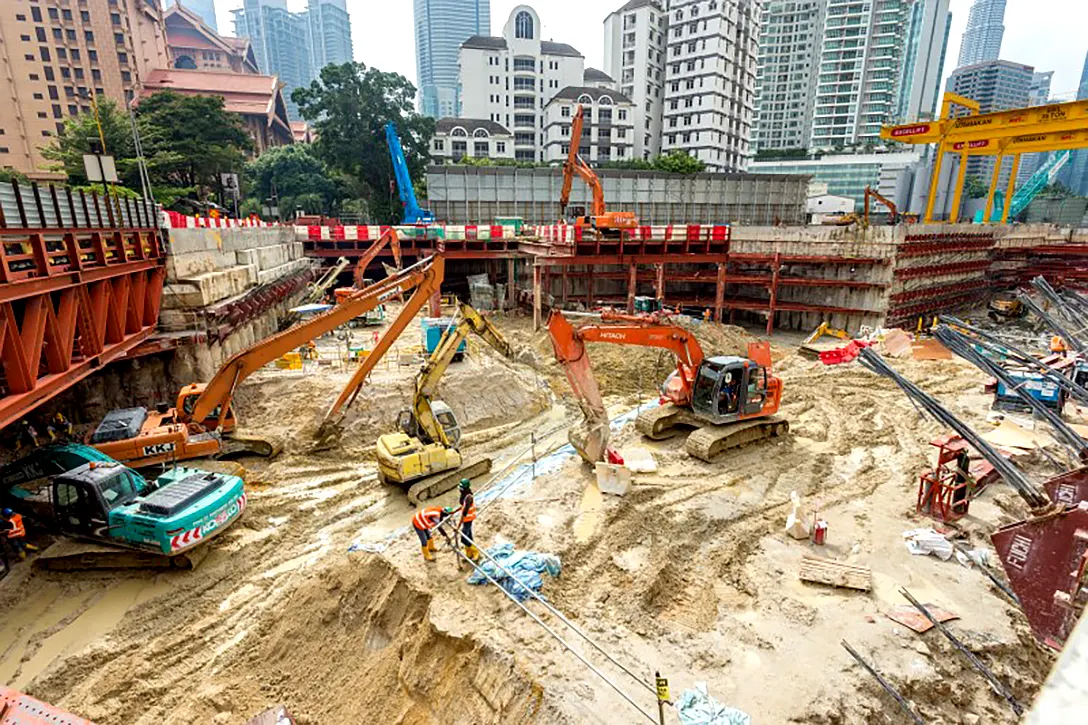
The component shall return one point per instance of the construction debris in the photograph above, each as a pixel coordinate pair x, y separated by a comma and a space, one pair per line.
697, 707
524, 567
918, 622
797, 522
834, 573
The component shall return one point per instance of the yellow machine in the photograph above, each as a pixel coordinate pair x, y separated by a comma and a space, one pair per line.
806, 348
424, 451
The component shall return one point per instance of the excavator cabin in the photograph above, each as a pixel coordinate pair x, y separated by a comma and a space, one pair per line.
729, 389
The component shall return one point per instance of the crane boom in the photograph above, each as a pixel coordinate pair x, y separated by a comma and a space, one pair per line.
436, 365
217, 394
413, 214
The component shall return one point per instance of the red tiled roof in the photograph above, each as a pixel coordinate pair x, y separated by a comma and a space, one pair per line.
246, 93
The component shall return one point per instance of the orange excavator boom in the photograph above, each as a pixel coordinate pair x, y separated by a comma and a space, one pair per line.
389, 238
574, 165
217, 394
893, 210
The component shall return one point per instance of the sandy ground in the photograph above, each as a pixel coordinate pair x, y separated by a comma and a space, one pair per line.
689, 574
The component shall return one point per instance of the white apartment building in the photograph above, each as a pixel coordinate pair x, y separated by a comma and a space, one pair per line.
710, 81
456, 138
609, 132
510, 79
598, 79
634, 55
790, 37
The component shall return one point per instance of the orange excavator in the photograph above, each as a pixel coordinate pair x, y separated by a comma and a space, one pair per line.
729, 400
202, 421
608, 223
391, 239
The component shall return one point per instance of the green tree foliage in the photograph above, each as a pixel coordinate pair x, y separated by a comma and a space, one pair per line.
794, 153
348, 108
301, 179
9, 175
190, 140
974, 187
80, 132
678, 162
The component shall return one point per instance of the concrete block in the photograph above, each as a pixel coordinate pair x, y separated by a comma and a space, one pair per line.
190, 264
273, 256
276, 273
175, 320
208, 288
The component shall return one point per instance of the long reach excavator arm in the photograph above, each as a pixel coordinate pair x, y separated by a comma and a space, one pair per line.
218, 393
574, 165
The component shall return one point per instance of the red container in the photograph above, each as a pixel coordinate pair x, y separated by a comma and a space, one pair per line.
819, 533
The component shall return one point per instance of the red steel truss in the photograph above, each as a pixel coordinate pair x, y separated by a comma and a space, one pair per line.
72, 297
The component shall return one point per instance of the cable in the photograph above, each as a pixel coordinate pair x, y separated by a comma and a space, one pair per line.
557, 638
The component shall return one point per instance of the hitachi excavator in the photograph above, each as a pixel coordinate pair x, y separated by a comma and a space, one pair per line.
608, 223
729, 400
203, 419
424, 451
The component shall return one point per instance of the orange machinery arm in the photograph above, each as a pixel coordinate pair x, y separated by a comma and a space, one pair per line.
575, 165
424, 291
220, 390
391, 238
570, 352
892, 209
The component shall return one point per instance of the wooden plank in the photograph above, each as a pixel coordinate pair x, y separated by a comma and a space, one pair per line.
834, 573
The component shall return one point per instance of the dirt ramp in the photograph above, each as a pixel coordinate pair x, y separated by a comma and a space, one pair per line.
356, 644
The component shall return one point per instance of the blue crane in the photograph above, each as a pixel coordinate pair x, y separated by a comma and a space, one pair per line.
1026, 193
413, 214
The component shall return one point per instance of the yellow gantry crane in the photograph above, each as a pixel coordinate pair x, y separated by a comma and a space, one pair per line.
1055, 127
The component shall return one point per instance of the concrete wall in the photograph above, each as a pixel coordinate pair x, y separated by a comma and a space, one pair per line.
477, 195
207, 266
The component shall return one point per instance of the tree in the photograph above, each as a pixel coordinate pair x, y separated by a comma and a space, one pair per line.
678, 162
301, 179
80, 133
974, 187
792, 153
348, 108
188, 141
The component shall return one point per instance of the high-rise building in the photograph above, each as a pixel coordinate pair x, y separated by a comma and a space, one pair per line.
281, 42
510, 79
996, 85
710, 81
791, 35
861, 57
441, 27
204, 8
1038, 95
55, 57
634, 55
330, 34
922, 67
985, 28
1076, 178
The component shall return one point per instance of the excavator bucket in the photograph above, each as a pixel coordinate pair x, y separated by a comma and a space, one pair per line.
589, 441
760, 353
1046, 562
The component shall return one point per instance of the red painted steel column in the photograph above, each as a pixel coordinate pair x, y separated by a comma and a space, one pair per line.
719, 293
660, 287
632, 287
536, 297
774, 291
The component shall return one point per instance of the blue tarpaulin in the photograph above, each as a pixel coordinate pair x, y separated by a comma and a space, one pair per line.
526, 567
697, 707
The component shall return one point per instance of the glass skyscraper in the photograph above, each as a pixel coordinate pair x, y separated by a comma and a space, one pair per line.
204, 8
1078, 161
441, 26
985, 29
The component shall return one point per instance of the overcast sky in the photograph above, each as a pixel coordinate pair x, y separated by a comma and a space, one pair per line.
1047, 34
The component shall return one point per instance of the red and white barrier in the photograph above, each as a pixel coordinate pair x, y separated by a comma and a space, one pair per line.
176, 220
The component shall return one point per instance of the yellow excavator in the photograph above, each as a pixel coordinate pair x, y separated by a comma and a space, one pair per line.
424, 453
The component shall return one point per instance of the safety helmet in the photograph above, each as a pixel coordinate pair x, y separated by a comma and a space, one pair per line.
58, 416
448, 511
465, 484
7, 512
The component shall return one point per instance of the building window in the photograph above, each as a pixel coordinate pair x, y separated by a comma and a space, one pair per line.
84, 16
623, 115
523, 26
500, 147
460, 148
480, 149
115, 18
565, 111
439, 145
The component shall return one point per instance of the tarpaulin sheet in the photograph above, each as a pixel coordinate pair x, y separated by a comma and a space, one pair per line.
525, 566
697, 707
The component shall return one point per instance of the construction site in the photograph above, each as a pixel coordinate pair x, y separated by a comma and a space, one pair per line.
605, 470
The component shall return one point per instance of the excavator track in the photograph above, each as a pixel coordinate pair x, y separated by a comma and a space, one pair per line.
434, 486
236, 446
711, 441
76, 555
660, 423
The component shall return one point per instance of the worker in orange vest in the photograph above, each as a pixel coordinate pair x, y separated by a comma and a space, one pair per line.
468, 515
1058, 346
424, 522
11, 526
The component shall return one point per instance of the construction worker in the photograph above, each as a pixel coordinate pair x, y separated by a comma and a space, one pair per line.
424, 522
28, 435
59, 427
1058, 346
12, 528
468, 515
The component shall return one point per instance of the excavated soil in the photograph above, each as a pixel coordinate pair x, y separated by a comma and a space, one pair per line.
689, 574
